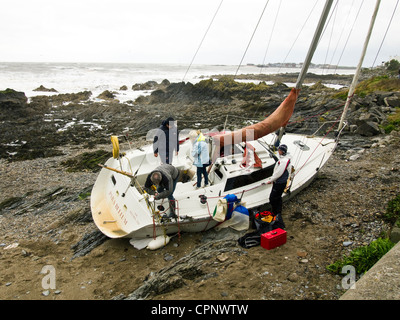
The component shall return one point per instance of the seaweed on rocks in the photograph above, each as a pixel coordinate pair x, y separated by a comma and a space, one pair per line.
89, 242
188, 268
87, 161
10, 203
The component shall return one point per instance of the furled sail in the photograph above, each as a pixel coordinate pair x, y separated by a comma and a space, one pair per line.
279, 118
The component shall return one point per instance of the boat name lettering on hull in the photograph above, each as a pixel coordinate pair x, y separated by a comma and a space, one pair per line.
134, 216
118, 209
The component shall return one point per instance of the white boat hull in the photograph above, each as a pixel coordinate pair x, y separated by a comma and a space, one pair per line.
120, 210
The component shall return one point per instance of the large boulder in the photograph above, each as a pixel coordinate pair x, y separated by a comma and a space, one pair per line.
149, 85
368, 128
106, 95
13, 105
10, 99
393, 101
44, 89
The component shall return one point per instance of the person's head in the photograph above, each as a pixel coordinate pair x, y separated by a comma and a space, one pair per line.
192, 136
156, 177
169, 122
282, 149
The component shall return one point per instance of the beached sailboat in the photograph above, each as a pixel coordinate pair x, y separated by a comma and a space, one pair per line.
120, 207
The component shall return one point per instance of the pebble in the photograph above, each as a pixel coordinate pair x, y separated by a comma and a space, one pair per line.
12, 246
25, 253
347, 243
168, 257
293, 277
354, 157
46, 293
222, 257
301, 254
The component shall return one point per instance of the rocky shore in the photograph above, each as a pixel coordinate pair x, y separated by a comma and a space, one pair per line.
48, 163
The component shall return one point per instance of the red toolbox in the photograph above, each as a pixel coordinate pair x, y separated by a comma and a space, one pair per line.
273, 239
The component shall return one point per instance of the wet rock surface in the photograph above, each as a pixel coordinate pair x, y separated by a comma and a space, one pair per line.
45, 214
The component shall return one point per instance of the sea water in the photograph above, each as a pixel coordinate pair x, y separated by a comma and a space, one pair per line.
98, 77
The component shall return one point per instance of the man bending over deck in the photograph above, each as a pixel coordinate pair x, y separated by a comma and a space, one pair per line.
164, 179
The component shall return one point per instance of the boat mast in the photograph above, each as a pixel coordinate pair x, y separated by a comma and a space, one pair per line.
357, 74
314, 44
311, 50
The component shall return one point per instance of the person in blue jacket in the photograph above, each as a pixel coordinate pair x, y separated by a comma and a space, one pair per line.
200, 155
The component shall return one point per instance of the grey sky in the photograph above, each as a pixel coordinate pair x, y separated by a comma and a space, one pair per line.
170, 31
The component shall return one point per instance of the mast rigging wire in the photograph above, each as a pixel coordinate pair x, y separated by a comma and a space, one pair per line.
387, 29
298, 35
201, 42
341, 34
255, 29
270, 37
335, 10
348, 37
328, 22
